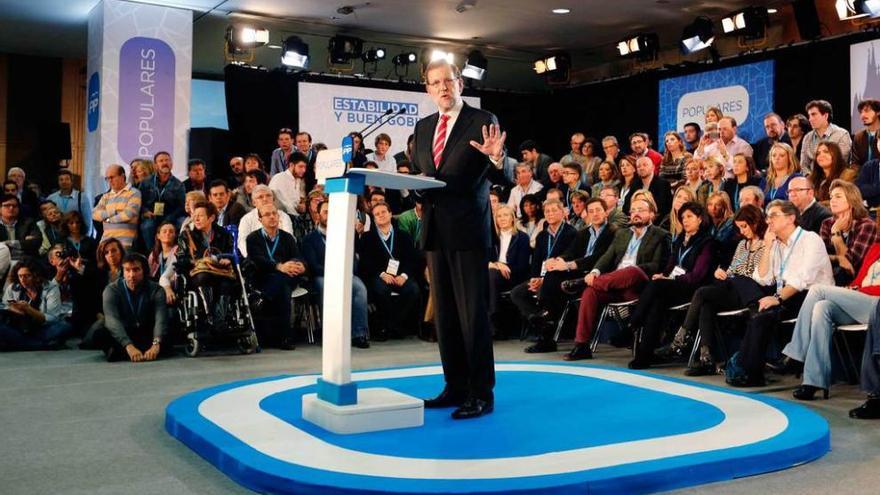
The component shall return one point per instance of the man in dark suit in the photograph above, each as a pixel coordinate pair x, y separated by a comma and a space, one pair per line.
228, 212
658, 186
21, 235
279, 269
635, 255
458, 145
774, 128
811, 214
197, 179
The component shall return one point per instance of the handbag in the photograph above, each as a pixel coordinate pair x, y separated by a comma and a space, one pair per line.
207, 263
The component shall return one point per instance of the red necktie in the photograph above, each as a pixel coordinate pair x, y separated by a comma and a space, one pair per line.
440, 140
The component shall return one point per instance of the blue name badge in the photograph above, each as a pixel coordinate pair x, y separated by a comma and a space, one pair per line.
347, 148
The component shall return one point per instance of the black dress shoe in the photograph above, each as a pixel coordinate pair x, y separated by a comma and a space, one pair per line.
787, 366
573, 287
360, 343
639, 364
579, 352
807, 392
473, 408
702, 369
869, 410
744, 382
446, 398
540, 319
542, 345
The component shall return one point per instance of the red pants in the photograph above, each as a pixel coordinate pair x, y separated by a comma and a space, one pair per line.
618, 286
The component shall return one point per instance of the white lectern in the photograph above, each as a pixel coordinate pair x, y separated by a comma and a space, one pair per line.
338, 405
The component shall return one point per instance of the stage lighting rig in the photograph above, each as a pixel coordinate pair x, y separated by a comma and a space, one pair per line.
373, 55
750, 23
642, 46
344, 49
697, 35
555, 68
295, 53
475, 66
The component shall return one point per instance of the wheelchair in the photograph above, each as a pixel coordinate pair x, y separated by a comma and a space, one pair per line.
195, 312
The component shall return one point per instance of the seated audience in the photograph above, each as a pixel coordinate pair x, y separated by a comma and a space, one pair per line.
279, 270
388, 268
670, 222
820, 113
170, 197
611, 148
192, 199
289, 186
688, 269
635, 254
509, 265
575, 154
577, 217
565, 274
786, 279
252, 179
640, 145
304, 224
751, 195
228, 212
162, 258
674, 158
812, 213
831, 166
20, 234
797, 126
657, 186
590, 163
723, 230
236, 171
314, 247
608, 175
31, 312
119, 208
401, 200
865, 141
532, 219
197, 179
744, 175
713, 180
693, 175
49, 226
825, 308
616, 217
629, 183
27, 198
849, 232
869, 178
68, 198
539, 162
250, 222
554, 176
692, 134
525, 184
136, 318
783, 168
410, 221
732, 289
774, 130
380, 156
571, 180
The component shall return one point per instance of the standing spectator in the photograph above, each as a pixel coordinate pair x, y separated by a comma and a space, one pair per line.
170, 196
864, 146
798, 126
380, 155
831, 166
674, 158
27, 198
68, 199
726, 146
228, 212
290, 186
135, 315
639, 144
849, 233
32, 311
540, 162
774, 130
692, 135
279, 270
118, 208
820, 114
783, 168
282, 152
811, 213
197, 178
20, 235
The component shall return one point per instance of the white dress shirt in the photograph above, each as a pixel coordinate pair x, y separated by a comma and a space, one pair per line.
504, 244
288, 189
251, 223
808, 264
516, 195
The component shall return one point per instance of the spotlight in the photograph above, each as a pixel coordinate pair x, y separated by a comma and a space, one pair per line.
374, 55
642, 46
295, 53
749, 22
870, 8
555, 67
437, 54
475, 67
344, 48
240, 37
405, 58
698, 35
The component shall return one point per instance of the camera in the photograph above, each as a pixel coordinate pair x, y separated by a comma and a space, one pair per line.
68, 253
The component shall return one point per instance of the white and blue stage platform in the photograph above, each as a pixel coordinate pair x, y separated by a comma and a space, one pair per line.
557, 428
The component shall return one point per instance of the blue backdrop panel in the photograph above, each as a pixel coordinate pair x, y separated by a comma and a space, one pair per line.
545, 413
744, 91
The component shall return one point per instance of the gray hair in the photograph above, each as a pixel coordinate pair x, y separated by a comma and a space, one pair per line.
262, 187
786, 207
756, 191
611, 139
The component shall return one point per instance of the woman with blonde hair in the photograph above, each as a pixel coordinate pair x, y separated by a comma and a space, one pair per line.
674, 158
783, 167
693, 175
723, 229
713, 178
192, 199
713, 114
671, 223
509, 265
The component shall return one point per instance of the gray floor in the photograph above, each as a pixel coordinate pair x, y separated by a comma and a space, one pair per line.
72, 423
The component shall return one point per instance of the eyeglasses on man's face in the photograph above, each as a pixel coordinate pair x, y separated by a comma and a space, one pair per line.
442, 82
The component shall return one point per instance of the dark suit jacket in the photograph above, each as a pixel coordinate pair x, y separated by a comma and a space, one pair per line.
761, 150
258, 251
811, 219
652, 254
860, 149
374, 257
518, 253
869, 182
662, 192
456, 217
233, 213
28, 235
577, 251
564, 237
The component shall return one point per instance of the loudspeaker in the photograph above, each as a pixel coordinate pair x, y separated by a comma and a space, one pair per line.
55, 141
807, 19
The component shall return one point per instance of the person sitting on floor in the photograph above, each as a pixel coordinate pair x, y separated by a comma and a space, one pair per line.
135, 315
634, 256
31, 311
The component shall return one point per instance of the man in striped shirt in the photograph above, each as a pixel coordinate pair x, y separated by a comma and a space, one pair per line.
119, 208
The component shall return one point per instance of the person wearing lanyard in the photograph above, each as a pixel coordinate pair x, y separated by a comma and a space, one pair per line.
786, 278
68, 198
571, 179
688, 269
634, 256
387, 267
571, 266
279, 269
135, 315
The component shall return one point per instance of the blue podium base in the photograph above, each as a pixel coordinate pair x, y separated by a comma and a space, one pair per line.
557, 428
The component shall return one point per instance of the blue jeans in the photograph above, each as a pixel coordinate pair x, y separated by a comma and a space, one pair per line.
13, 339
147, 229
359, 308
824, 308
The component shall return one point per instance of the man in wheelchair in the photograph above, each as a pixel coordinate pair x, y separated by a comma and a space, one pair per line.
277, 270
212, 297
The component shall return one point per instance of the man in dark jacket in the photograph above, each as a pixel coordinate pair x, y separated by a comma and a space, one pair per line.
279, 268
21, 235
